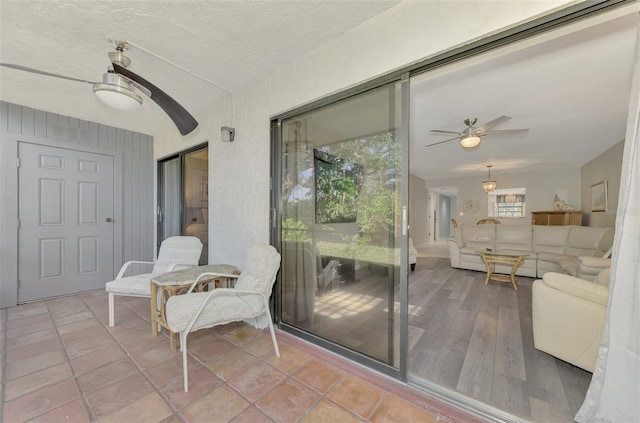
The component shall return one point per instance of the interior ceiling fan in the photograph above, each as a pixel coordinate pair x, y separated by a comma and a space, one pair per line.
471, 135
118, 89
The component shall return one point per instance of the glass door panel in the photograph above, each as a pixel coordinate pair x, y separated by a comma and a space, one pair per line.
341, 223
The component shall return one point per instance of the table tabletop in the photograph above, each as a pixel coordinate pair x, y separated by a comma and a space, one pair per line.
511, 253
187, 276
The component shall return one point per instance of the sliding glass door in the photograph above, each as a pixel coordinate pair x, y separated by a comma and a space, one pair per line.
342, 233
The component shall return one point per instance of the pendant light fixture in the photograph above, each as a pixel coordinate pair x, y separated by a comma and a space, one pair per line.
489, 185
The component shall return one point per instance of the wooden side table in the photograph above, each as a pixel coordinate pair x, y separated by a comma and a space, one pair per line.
514, 260
166, 285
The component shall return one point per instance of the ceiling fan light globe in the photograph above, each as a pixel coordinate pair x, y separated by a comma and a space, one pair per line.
117, 92
469, 141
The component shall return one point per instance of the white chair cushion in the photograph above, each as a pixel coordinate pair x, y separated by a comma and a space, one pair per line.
224, 308
138, 285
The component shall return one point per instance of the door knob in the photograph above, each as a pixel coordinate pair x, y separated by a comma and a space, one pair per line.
108, 219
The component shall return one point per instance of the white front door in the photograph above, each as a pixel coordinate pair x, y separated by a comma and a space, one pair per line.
65, 209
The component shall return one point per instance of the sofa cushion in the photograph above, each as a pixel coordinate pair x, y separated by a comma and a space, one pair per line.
514, 237
555, 258
586, 240
480, 236
550, 238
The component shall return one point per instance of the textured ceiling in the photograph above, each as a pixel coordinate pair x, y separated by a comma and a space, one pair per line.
572, 92
229, 43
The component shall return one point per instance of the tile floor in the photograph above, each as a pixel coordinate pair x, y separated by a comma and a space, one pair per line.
62, 363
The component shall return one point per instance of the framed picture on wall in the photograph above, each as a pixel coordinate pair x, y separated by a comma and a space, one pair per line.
599, 196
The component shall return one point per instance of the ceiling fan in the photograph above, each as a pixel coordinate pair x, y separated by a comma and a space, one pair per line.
118, 89
471, 135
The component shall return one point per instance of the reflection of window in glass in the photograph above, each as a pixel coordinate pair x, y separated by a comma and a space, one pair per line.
507, 202
337, 183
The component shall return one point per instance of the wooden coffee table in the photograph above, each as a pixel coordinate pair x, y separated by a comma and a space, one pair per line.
514, 259
166, 285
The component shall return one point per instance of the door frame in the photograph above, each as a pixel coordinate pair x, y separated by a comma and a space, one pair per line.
9, 207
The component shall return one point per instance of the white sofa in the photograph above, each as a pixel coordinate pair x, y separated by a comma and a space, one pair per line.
568, 316
545, 248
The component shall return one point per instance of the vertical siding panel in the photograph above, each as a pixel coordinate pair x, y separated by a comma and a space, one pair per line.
14, 121
4, 113
83, 132
148, 203
28, 121
113, 142
102, 135
111, 138
152, 211
135, 205
52, 119
128, 197
40, 124
94, 134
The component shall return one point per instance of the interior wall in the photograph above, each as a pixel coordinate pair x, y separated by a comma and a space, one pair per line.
418, 213
444, 217
240, 172
605, 167
541, 190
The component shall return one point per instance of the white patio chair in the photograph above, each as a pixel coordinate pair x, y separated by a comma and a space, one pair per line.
248, 300
176, 252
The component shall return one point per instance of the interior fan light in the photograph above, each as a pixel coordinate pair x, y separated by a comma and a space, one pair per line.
117, 92
469, 141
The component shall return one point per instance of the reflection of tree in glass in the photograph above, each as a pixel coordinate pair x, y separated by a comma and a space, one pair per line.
337, 188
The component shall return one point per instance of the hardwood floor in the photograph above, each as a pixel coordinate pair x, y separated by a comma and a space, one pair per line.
463, 335
478, 340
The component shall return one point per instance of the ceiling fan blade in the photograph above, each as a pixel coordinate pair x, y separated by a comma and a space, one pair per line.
39, 72
178, 114
439, 131
441, 142
507, 132
492, 124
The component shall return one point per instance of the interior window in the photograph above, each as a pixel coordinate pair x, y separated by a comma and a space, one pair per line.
507, 202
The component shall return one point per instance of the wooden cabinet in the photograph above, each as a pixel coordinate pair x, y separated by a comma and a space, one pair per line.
556, 218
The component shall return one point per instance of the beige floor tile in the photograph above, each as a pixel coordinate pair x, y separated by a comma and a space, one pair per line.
36, 380
223, 403
146, 358
27, 321
288, 401
290, 360
261, 346
116, 396
243, 334
150, 408
164, 373
31, 338
96, 359
74, 318
256, 380
252, 415
356, 395
26, 310
210, 348
228, 365
71, 412
41, 401
106, 375
28, 365
320, 376
79, 325
201, 381
21, 331
31, 350
394, 409
326, 411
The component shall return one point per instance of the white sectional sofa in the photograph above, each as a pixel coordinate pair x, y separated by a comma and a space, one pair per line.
545, 248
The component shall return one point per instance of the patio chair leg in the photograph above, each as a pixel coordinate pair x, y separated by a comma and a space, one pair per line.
185, 373
273, 335
111, 310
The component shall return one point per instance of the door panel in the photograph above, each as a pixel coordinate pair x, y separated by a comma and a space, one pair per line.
65, 240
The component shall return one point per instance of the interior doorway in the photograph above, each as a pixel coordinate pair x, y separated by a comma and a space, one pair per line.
183, 197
